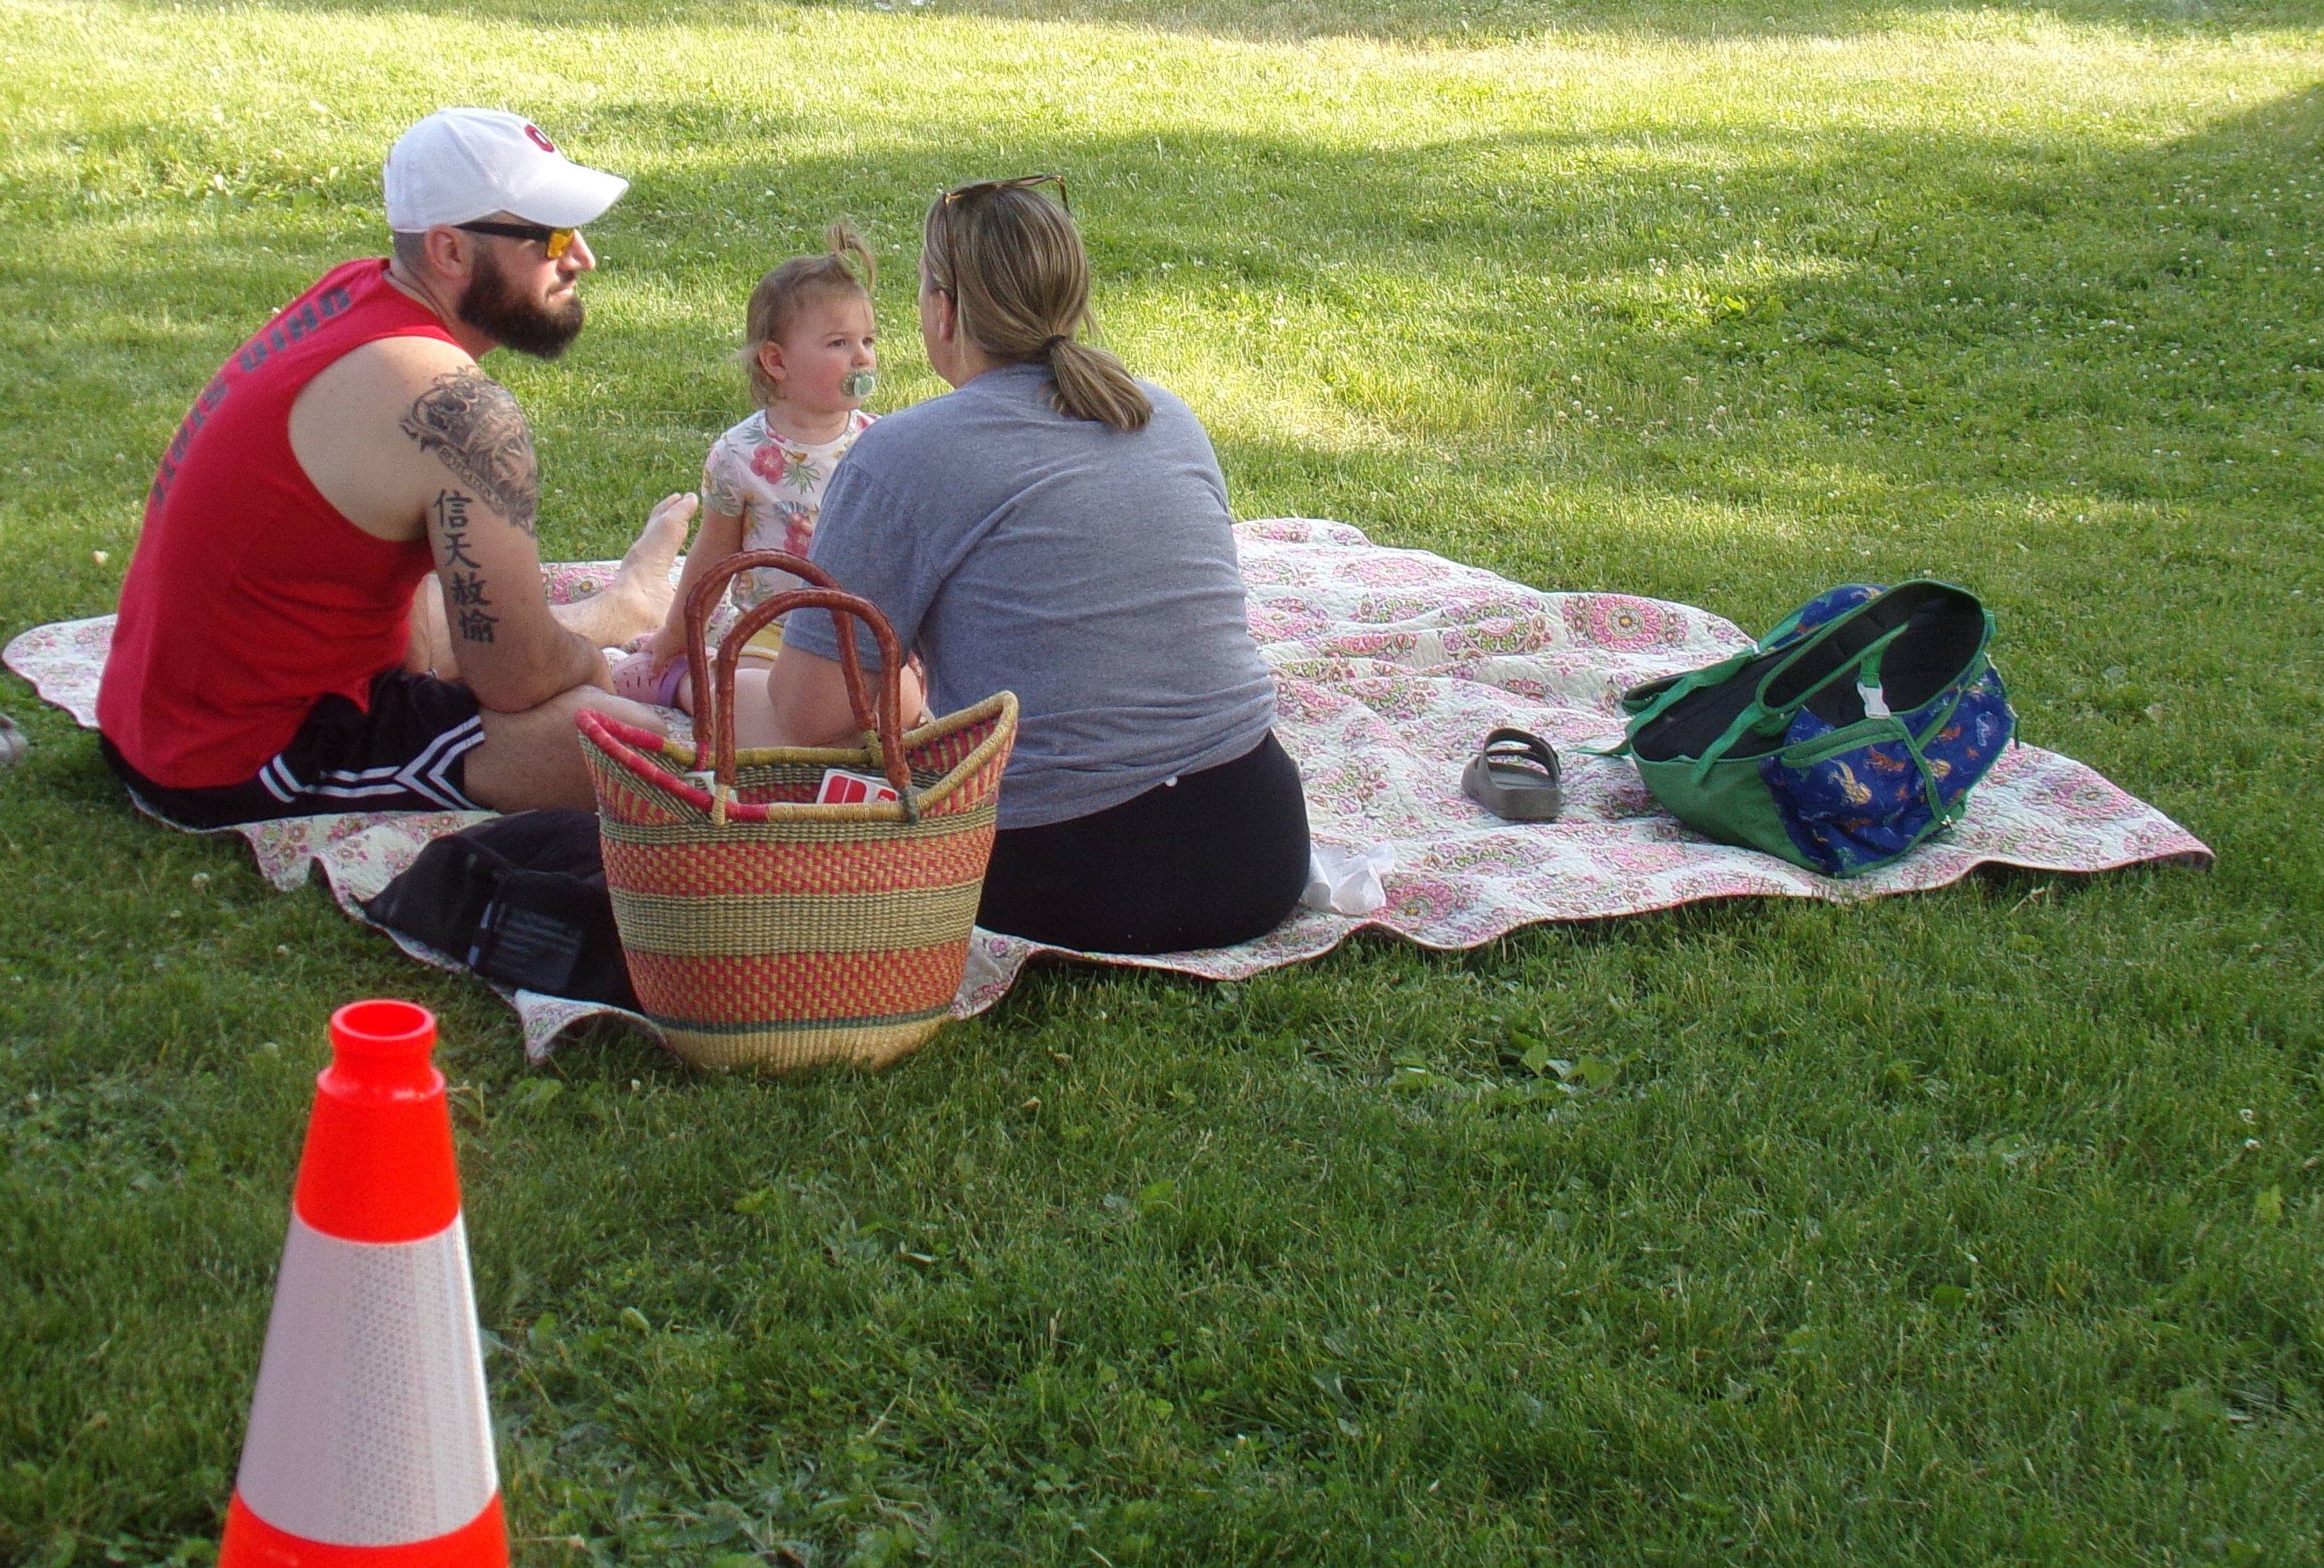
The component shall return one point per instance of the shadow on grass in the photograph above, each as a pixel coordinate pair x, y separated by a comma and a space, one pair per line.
1555, 330
1749, 321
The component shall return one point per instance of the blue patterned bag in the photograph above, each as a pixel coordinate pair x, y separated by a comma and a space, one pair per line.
1854, 730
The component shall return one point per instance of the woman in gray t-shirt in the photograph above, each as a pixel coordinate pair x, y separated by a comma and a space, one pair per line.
1057, 528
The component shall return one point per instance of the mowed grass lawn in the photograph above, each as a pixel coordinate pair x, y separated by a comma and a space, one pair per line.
1980, 1225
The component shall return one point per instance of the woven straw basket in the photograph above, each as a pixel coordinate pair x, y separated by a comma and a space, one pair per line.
764, 930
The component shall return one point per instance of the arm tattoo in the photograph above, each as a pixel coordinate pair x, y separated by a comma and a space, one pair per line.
464, 589
472, 425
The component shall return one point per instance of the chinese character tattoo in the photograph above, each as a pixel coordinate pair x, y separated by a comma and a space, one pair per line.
464, 591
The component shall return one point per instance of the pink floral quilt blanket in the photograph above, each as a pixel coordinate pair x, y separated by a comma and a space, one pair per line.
1390, 665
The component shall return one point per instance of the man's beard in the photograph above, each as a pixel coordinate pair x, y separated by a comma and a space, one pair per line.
493, 307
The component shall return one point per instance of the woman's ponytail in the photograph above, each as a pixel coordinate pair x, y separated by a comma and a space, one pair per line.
1092, 383
1013, 263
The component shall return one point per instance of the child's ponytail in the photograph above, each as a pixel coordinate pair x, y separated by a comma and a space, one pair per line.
846, 245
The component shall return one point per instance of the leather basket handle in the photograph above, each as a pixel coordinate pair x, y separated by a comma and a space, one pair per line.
881, 720
706, 594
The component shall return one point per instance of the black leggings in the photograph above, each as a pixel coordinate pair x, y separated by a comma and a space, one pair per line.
1217, 858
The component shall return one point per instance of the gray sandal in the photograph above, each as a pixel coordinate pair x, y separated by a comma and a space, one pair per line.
1514, 775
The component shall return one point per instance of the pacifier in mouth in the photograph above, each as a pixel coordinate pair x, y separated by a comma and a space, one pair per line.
858, 383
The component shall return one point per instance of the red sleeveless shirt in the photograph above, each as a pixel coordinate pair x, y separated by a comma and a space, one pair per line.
250, 597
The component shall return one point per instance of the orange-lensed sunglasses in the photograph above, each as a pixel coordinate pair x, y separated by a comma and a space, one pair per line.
555, 241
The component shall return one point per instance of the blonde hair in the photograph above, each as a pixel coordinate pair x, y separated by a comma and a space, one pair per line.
1019, 283
789, 289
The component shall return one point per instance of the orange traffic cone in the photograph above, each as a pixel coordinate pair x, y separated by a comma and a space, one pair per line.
370, 1440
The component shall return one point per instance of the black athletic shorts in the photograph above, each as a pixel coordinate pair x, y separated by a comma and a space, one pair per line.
1205, 861
410, 753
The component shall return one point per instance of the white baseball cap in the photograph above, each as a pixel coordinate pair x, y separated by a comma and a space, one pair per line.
457, 165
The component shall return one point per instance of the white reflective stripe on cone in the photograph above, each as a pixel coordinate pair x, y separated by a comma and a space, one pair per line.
369, 1426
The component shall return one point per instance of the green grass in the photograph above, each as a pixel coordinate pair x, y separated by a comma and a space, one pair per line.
1980, 1225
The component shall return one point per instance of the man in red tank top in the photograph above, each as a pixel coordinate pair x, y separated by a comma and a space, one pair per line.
281, 649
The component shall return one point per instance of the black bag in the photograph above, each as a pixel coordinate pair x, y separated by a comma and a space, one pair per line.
522, 899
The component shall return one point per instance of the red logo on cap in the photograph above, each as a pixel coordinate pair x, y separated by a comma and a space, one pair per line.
539, 140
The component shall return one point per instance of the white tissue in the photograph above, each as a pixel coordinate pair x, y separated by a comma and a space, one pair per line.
1347, 881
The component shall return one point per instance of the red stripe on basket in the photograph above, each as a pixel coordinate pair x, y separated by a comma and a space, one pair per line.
808, 869
798, 985
619, 774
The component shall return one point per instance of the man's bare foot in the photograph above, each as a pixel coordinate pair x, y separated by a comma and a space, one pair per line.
647, 569
638, 599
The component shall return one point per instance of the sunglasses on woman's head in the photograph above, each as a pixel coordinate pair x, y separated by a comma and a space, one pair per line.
1022, 182
983, 188
555, 241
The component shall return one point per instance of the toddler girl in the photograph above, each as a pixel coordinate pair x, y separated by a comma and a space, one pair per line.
811, 361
